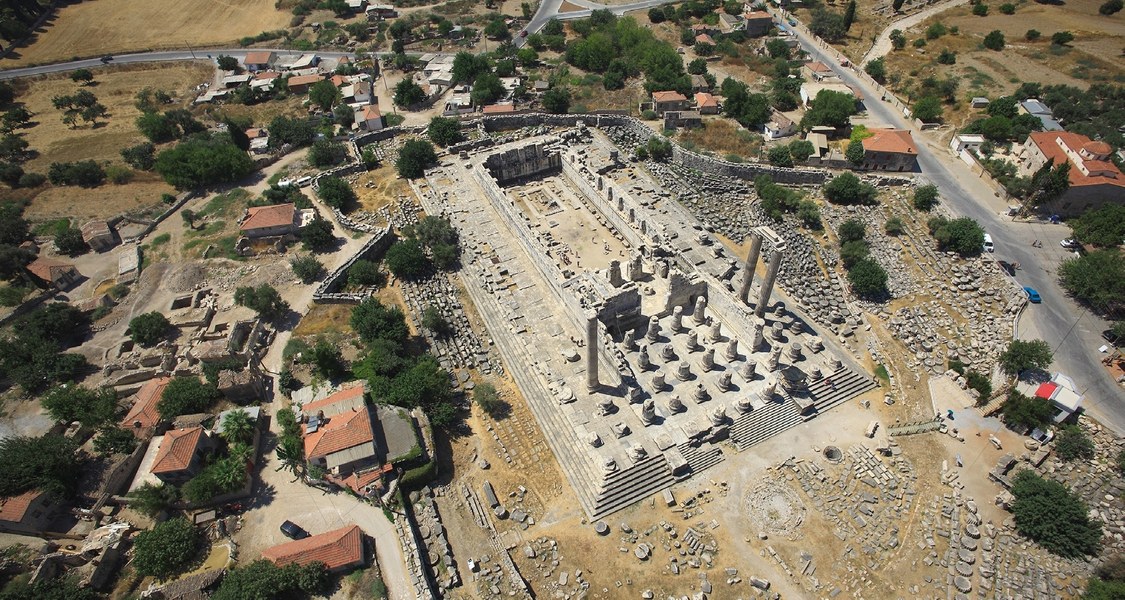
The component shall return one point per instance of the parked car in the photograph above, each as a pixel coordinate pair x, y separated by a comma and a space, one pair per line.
105, 59
523, 33
1070, 244
1042, 436
988, 245
293, 531
1032, 295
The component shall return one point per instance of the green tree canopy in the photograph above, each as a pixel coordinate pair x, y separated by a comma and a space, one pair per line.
151, 500
1072, 444
184, 396
851, 230
46, 463
1021, 411
1047, 512
994, 40
1023, 355
444, 131
414, 158
263, 580
337, 193
963, 235
1097, 278
166, 549
307, 268
149, 328
407, 259
928, 109
289, 131
846, 188
324, 94
264, 300
318, 236
1103, 227
829, 108
202, 160
72, 402
926, 197
557, 100
868, 279
374, 321
408, 93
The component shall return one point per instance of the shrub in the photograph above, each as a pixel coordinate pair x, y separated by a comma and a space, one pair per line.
1053, 516
203, 160
994, 40
1062, 38
926, 197
1023, 355
149, 328
851, 230
166, 549
488, 399
981, 384
307, 268
414, 158
363, 273
264, 300
1111, 7
980, 9
1073, 444
433, 320
894, 226
1032, 35
84, 173
1008, 8
963, 236
31, 180
184, 396
852, 252
1021, 411
868, 279
846, 188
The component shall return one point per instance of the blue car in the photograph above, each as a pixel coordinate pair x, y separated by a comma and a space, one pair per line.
1032, 295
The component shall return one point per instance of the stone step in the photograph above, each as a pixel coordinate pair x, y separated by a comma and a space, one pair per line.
763, 423
622, 488
701, 459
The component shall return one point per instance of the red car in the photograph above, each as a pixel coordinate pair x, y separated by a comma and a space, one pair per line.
523, 33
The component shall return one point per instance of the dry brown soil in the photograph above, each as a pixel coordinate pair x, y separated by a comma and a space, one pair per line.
86, 29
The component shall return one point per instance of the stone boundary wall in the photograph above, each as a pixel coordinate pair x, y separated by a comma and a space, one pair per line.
325, 293
605, 207
181, 200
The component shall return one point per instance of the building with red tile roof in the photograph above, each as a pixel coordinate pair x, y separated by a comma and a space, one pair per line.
51, 272
266, 221
180, 455
340, 550
757, 23
1094, 179
497, 109
342, 400
668, 100
890, 150
299, 84
342, 442
706, 104
143, 417
369, 117
29, 512
258, 60
703, 38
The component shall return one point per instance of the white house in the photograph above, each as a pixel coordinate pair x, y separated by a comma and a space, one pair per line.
779, 126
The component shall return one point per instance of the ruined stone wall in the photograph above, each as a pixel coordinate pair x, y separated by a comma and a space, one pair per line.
603, 206
521, 162
375, 247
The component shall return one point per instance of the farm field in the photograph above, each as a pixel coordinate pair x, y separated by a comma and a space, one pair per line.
87, 29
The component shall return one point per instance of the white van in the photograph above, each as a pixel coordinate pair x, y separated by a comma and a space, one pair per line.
306, 180
988, 247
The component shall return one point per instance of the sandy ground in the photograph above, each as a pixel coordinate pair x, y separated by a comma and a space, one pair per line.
85, 29
882, 45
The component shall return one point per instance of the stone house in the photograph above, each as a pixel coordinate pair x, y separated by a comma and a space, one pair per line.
143, 418
674, 119
369, 118
98, 236
258, 61
706, 104
757, 23
1094, 179
180, 456
890, 150
668, 100
29, 512
340, 550
50, 272
268, 221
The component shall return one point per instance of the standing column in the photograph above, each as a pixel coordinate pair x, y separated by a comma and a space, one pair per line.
592, 383
767, 283
749, 266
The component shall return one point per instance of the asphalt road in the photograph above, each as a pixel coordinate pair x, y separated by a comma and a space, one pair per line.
1072, 331
549, 9
143, 57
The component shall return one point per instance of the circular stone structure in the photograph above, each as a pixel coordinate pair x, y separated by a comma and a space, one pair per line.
833, 454
775, 508
601, 528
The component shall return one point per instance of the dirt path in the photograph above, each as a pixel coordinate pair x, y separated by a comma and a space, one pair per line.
882, 44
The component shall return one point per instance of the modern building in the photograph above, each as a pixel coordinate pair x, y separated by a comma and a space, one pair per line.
268, 221
1094, 179
369, 118
180, 456
966, 141
342, 442
299, 84
1063, 395
818, 71
340, 550
890, 150
779, 126
1042, 112
757, 23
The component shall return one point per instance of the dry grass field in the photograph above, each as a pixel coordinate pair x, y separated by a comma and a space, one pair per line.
723, 137
88, 29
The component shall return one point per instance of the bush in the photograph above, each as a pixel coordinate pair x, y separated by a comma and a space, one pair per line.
1097, 278
868, 279
1054, 517
84, 173
166, 549
488, 399
407, 259
894, 226
851, 230
264, 300
263, 580
363, 273
444, 131
327, 153
69, 242
151, 500
981, 384
980, 9
846, 188
142, 156
115, 440
203, 160
963, 236
433, 320
926, 197
1072, 444
1110, 7
31, 180
852, 252
994, 40
185, 396
1103, 227
307, 268
374, 321
149, 328
47, 463
1062, 38
337, 193
1023, 412
1023, 355
1008, 8
318, 236
414, 158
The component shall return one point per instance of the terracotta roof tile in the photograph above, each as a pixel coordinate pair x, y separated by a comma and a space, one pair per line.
818, 67
895, 141
48, 269
257, 58
265, 217
177, 449
668, 96
300, 80
342, 431
348, 395
705, 100
492, 109
143, 413
335, 549
14, 508
1105, 173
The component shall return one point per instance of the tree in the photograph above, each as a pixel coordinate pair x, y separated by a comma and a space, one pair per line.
444, 132
656, 15
238, 427
800, 150
488, 399
963, 236
1053, 516
263, 580
324, 94
828, 25
1111, 7
318, 236
408, 93
779, 155
14, 118
166, 549
46, 463
13, 260
497, 30
853, 251
407, 260
142, 156
363, 273
228, 63
149, 328
868, 279
203, 160
487, 89
830, 108
928, 109
307, 268
851, 230
553, 27
337, 193
327, 360
292, 132
1032, 35
1072, 444
71, 402
947, 57
374, 321
846, 188
188, 215
115, 440
1008, 8
855, 152
994, 40
877, 69
151, 500
69, 242
1097, 278
433, 320
13, 227
467, 66
1103, 227
414, 158
83, 173
185, 396
980, 9
61, 588
898, 39
849, 15
1023, 412
1024, 355
264, 300
327, 153
1062, 38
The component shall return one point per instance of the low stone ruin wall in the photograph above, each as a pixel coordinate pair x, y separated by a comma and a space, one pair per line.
327, 294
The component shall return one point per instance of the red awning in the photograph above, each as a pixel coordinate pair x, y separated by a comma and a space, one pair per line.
1046, 390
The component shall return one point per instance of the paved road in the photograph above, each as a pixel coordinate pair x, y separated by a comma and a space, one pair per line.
882, 44
1071, 331
549, 9
143, 57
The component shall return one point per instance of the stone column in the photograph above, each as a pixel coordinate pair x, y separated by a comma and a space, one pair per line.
636, 272
749, 266
615, 278
698, 316
592, 383
767, 283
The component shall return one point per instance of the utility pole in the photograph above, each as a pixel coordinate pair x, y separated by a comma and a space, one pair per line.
190, 49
